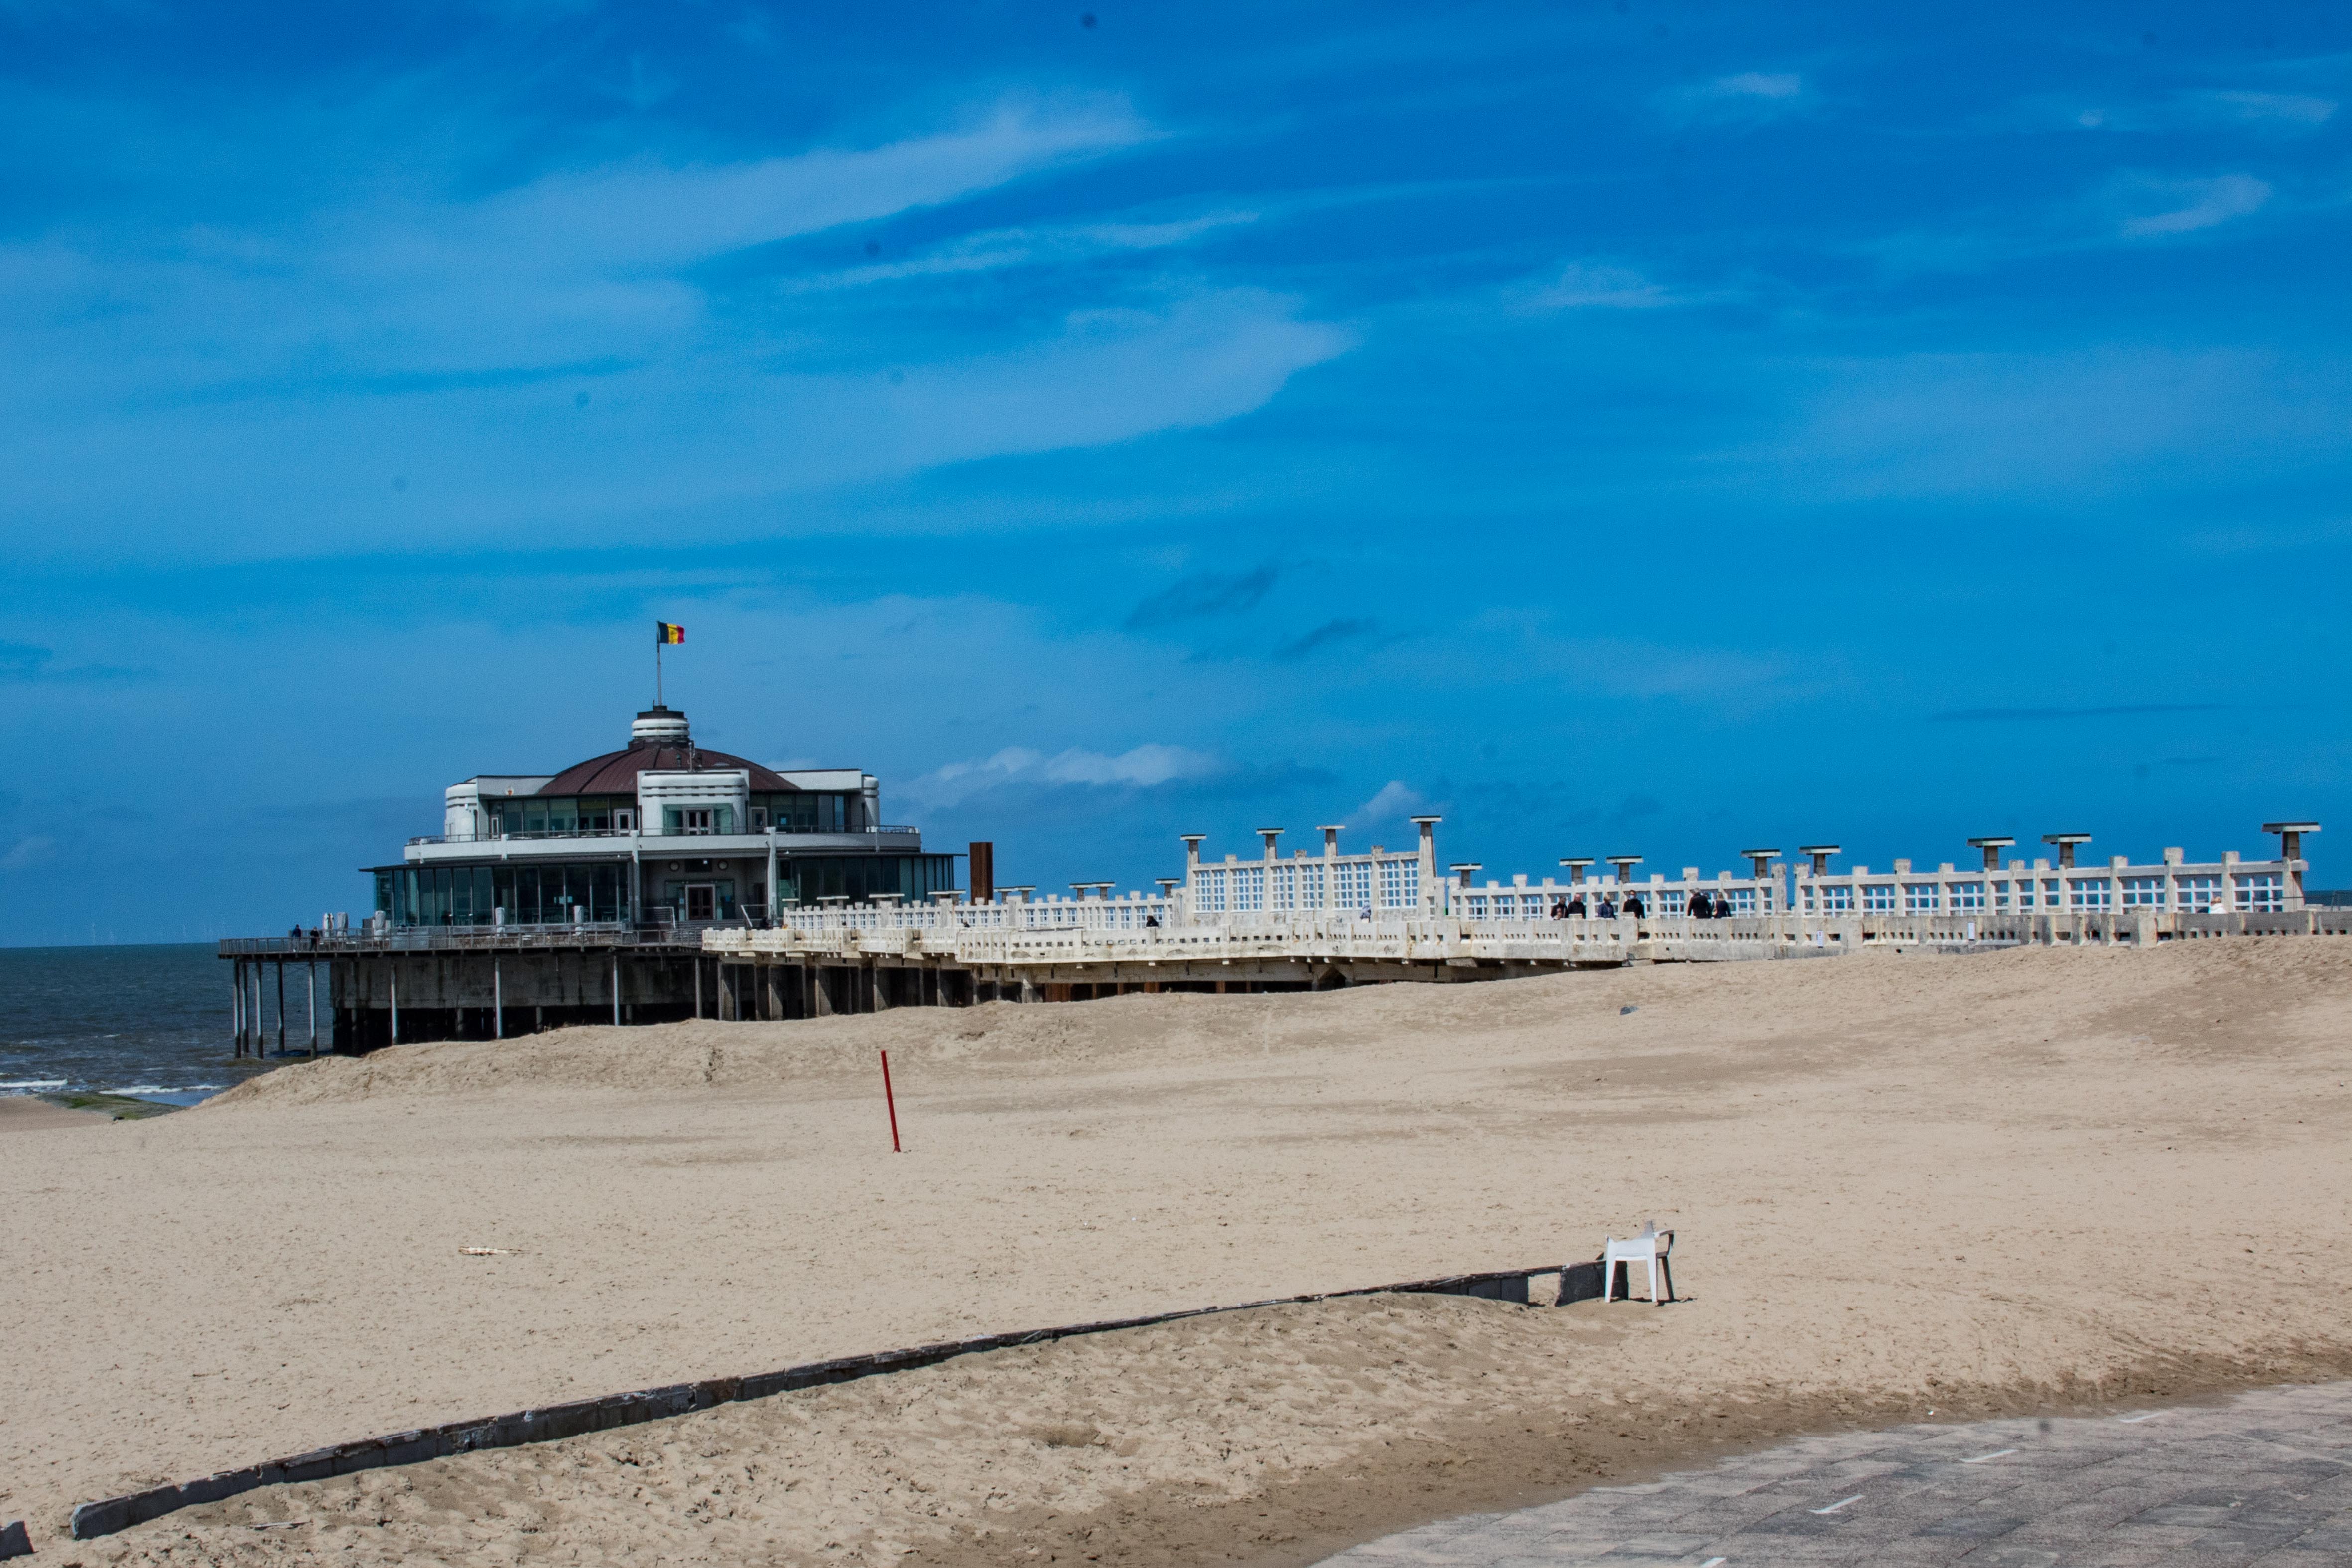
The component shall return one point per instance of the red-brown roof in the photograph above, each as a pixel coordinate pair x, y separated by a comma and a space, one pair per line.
615, 772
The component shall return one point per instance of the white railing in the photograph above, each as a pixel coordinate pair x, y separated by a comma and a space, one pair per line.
2174, 886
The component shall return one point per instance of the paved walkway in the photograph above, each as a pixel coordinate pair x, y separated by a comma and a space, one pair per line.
2265, 1479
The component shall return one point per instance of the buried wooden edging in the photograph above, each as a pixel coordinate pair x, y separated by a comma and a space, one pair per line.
553, 1422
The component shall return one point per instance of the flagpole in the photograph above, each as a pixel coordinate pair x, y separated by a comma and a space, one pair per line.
657, 684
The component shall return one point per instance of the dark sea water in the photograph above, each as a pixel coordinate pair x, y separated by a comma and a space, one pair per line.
152, 1022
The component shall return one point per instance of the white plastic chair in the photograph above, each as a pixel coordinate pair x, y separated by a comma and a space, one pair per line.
1649, 1248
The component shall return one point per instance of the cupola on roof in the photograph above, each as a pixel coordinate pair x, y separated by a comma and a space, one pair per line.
659, 742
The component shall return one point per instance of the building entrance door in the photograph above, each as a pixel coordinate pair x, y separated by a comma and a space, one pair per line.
701, 902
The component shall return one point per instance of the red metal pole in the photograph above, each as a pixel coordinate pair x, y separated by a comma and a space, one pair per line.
891, 1100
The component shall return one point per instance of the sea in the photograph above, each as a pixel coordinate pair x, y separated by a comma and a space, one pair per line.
145, 1022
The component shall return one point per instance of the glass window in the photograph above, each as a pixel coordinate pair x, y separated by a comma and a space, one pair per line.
1400, 883
1208, 888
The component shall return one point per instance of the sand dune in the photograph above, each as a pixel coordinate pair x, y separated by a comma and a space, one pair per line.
1899, 1182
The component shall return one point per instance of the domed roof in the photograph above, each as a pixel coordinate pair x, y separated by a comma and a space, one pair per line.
659, 742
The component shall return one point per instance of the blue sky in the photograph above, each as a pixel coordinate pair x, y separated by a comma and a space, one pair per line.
1623, 427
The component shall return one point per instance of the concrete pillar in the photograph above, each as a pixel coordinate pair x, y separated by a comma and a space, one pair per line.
1426, 905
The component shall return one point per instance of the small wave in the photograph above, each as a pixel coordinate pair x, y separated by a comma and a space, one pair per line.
31, 1085
137, 1089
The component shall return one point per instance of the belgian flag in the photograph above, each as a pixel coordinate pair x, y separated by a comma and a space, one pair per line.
665, 632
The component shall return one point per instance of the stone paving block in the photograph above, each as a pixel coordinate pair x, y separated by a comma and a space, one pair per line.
2256, 1480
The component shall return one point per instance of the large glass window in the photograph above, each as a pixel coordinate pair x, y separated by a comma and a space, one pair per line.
808, 878
2087, 892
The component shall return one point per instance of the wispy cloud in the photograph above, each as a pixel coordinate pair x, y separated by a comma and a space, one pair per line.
1742, 96
1141, 768
2194, 205
1202, 595
1590, 286
30, 850
1001, 249
2204, 109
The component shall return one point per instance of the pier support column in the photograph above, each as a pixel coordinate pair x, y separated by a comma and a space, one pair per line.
771, 981
697, 985
281, 1006
616, 988
391, 989
498, 1001
237, 1002
314, 1005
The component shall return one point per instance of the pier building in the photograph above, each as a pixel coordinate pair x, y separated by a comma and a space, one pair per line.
661, 831
581, 896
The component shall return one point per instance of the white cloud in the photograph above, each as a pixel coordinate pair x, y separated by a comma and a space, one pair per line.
2275, 113
1141, 768
29, 851
1758, 84
1742, 97
2291, 111
2202, 204
1585, 286
1396, 801
1045, 244
646, 215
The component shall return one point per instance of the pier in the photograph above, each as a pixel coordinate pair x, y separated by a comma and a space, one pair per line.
383, 985
666, 881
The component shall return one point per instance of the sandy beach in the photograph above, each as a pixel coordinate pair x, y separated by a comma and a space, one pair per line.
2035, 1179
